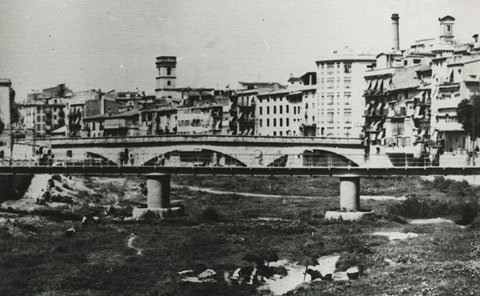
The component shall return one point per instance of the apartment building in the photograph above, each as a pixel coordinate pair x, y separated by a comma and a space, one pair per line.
340, 86
286, 112
45, 111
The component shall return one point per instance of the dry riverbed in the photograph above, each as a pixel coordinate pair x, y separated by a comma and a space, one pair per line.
117, 257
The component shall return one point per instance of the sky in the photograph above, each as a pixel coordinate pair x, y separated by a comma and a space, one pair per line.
112, 44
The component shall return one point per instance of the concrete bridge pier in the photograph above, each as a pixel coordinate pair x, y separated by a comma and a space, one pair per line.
349, 193
349, 200
158, 199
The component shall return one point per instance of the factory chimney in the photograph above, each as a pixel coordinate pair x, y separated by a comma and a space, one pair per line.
396, 33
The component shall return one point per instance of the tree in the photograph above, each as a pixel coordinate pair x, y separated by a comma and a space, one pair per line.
468, 114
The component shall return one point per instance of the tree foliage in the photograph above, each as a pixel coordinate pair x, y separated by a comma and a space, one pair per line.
465, 115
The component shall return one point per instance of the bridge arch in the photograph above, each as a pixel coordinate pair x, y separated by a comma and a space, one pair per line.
95, 159
312, 158
198, 157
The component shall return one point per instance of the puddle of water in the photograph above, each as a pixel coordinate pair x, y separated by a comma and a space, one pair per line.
281, 285
382, 197
396, 235
430, 221
130, 244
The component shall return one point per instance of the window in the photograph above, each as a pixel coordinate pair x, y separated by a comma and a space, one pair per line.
274, 109
347, 96
169, 71
347, 68
260, 123
286, 107
330, 131
449, 27
281, 133
287, 121
330, 117
347, 115
330, 98
330, 68
260, 110
274, 122
306, 106
169, 82
268, 109
268, 122
280, 122
347, 82
281, 109
330, 82
274, 133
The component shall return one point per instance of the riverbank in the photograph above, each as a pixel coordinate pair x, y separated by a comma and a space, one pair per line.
104, 259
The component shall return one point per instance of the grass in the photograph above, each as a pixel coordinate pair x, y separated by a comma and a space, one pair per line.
38, 259
329, 186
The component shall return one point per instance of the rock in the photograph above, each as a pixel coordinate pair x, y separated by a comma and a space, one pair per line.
185, 272
207, 273
353, 272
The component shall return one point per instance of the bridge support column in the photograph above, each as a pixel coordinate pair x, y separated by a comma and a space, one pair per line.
349, 200
158, 187
349, 193
158, 199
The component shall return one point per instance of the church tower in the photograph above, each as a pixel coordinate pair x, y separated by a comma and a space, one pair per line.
166, 79
446, 28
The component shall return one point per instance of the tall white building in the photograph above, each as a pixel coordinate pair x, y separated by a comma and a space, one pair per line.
340, 86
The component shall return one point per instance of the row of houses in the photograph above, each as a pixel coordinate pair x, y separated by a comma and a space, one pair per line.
400, 101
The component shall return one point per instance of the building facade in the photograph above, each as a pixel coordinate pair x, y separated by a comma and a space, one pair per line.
340, 86
285, 112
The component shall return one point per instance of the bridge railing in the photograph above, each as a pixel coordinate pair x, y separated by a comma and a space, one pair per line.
249, 160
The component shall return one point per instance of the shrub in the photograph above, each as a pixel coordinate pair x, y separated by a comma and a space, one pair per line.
414, 207
452, 187
210, 214
348, 260
470, 211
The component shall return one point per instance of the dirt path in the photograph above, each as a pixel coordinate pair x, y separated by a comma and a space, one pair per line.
130, 244
247, 194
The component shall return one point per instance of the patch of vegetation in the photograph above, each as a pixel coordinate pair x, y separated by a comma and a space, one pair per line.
348, 260
414, 207
452, 187
210, 214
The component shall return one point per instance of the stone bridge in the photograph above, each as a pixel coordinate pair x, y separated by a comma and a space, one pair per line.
249, 151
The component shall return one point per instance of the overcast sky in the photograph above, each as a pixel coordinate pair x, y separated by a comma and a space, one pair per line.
112, 44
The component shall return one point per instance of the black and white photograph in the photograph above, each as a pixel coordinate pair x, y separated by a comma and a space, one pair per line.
239, 147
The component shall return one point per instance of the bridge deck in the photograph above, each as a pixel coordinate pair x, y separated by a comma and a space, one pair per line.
198, 170
192, 139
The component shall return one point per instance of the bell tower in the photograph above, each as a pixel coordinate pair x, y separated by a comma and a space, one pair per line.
166, 79
446, 28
